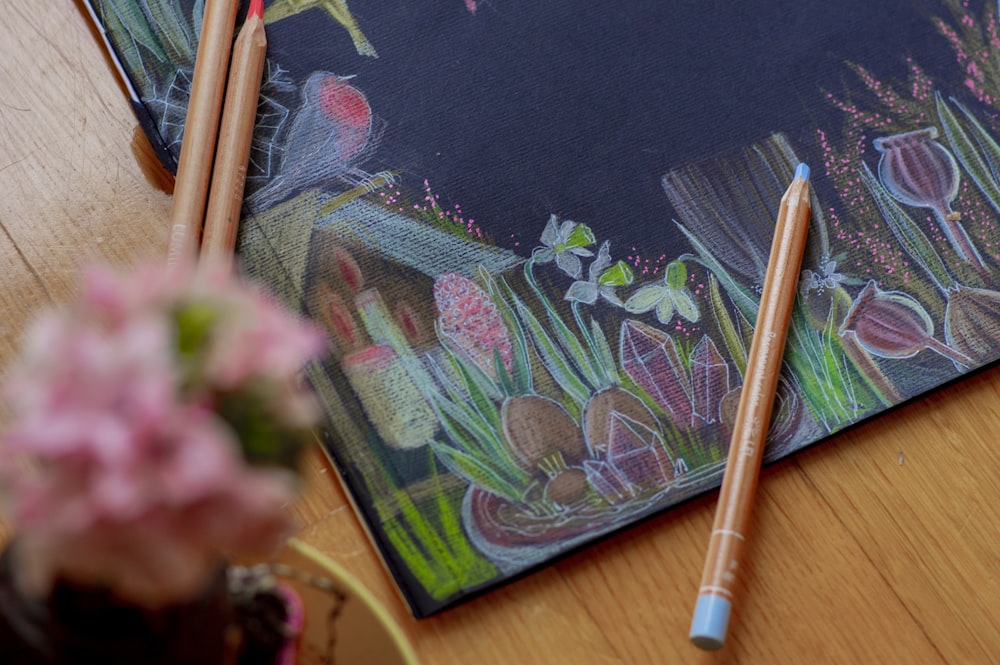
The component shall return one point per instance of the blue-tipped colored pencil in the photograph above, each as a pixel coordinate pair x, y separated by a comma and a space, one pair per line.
739, 484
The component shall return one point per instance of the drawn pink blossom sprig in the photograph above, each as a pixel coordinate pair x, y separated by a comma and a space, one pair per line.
156, 419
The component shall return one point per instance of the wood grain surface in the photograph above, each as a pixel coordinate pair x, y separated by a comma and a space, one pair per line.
881, 545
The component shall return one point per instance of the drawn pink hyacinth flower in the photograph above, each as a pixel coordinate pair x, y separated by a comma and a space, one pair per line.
918, 171
709, 380
469, 318
650, 358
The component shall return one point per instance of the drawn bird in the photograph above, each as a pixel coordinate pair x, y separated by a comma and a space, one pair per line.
328, 135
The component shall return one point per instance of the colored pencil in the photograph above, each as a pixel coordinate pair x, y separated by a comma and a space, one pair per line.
225, 200
201, 127
746, 449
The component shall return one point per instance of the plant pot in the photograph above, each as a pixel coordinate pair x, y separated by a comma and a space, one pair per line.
76, 624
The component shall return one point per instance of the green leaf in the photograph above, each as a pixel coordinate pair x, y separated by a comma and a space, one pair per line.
480, 441
967, 154
578, 355
464, 426
741, 296
730, 335
676, 275
553, 358
665, 309
645, 299
604, 352
504, 377
521, 369
168, 17
478, 392
475, 471
990, 148
128, 17
685, 305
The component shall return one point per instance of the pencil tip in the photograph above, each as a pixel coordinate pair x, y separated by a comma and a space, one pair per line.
256, 9
802, 171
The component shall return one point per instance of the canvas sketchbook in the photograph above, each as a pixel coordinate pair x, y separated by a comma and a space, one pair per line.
535, 233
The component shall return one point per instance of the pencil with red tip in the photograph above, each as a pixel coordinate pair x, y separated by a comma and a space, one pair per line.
201, 127
739, 483
225, 201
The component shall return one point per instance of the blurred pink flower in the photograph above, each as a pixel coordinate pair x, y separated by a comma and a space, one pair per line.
117, 469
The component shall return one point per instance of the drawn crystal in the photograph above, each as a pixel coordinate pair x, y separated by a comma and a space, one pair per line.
650, 358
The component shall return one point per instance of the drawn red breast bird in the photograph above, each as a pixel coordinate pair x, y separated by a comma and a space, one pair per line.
329, 133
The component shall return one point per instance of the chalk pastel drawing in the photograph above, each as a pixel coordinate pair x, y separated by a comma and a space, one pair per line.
501, 390
328, 135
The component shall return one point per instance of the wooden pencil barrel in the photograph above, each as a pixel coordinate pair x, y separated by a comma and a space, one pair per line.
201, 128
753, 415
225, 201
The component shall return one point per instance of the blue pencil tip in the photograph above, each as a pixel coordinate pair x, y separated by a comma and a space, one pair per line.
802, 171
711, 619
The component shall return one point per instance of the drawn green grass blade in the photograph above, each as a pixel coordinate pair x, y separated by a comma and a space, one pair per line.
433, 577
551, 354
167, 16
446, 545
580, 356
520, 362
458, 356
603, 376
906, 231
472, 434
482, 427
988, 145
470, 468
967, 154
464, 426
740, 295
128, 18
604, 352
478, 392
504, 378
730, 335
197, 16
471, 567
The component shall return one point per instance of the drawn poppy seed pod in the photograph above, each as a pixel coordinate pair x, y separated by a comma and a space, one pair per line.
972, 323
890, 324
918, 171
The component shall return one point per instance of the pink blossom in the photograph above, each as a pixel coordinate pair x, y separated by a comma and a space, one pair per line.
116, 469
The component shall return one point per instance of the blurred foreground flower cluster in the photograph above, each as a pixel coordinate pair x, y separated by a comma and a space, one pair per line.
157, 424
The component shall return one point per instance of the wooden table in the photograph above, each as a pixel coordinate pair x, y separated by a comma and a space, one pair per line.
879, 546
